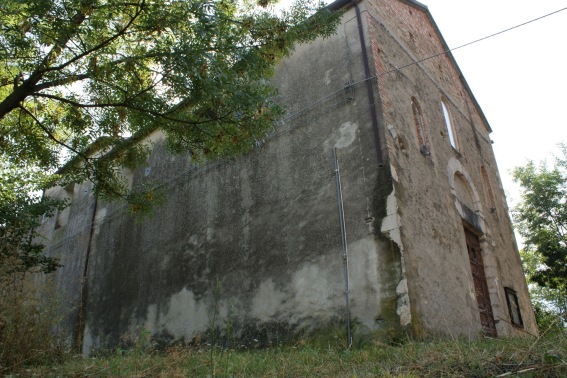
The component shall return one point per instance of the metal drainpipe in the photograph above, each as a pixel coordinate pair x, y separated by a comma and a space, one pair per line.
369, 89
81, 321
344, 244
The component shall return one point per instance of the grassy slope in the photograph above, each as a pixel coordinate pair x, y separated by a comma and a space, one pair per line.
525, 357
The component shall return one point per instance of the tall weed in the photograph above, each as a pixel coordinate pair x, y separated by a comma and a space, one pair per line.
28, 318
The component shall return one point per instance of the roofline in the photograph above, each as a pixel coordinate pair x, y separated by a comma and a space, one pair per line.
338, 4
450, 55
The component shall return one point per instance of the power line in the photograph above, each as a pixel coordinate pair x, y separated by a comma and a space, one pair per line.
119, 210
512, 28
307, 107
469, 43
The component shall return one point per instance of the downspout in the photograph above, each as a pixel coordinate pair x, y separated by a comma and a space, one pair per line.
344, 245
369, 89
81, 311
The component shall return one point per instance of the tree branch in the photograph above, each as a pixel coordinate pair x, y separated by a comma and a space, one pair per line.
90, 170
121, 105
29, 86
51, 136
102, 44
62, 81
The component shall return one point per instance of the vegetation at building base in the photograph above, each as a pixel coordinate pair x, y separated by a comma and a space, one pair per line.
525, 356
28, 320
26, 316
541, 219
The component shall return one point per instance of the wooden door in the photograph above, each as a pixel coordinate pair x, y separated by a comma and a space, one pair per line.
480, 286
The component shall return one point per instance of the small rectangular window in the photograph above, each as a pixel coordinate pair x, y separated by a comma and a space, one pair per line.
513, 307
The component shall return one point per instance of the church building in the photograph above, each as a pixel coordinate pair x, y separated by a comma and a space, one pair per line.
374, 205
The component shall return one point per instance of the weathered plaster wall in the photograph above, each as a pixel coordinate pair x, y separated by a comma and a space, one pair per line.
253, 242
435, 255
69, 241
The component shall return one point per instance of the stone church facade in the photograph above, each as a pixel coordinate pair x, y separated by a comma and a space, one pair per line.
375, 202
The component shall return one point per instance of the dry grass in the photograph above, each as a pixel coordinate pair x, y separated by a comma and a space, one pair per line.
27, 318
525, 357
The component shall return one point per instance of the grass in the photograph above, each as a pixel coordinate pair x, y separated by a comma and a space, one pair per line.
520, 357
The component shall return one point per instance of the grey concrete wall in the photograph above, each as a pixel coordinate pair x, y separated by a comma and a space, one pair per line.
69, 241
255, 242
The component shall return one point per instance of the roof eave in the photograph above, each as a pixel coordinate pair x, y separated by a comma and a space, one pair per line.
338, 4
424, 7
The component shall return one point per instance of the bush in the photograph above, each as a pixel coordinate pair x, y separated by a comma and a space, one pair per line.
550, 320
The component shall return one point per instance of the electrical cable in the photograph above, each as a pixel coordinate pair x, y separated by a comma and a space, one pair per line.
121, 209
420, 61
469, 43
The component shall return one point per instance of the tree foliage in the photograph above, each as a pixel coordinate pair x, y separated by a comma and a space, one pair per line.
21, 211
541, 217
83, 82
549, 304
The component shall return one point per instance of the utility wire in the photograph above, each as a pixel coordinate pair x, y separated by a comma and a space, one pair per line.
307, 107
121, 209
466, 44
512, 28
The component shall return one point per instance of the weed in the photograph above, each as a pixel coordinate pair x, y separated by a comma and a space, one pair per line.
28, 318
322, 355
434, 358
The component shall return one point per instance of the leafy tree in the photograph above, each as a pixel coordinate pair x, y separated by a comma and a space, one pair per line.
21, 209
548, 303
541, 217
83, 82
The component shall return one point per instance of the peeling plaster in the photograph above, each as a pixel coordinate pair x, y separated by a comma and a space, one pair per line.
266, 301
364, 271
403, 309
391, 228
87, 341
311, 282
394, 173
348, 134
328, 77
99, 218
183, 316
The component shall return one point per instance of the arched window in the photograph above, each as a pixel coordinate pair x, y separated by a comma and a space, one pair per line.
420, 127
62, 217
488, 190
450, 126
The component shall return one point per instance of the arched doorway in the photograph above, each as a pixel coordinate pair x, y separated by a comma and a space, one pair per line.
467, 203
